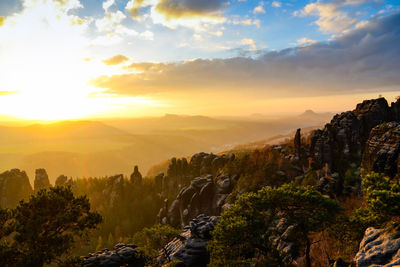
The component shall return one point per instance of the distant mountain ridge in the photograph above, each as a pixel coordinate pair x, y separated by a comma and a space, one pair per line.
95, 148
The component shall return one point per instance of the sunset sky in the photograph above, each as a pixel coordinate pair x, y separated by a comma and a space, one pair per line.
68, 59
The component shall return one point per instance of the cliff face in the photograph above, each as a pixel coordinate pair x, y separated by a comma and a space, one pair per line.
41, 180
342, 141
382, 150
14, 186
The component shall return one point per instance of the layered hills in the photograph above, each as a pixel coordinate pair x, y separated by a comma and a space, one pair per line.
94, 148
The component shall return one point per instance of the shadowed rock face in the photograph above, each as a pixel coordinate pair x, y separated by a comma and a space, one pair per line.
41, 180
122, 255
382, 150
343, 139
14, 186
114, 190
61, 180
204, 195
378, 248
136, 176
190, 248
181, 172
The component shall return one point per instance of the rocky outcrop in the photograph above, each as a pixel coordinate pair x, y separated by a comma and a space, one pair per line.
14, 186
204, 195
136, 176
41, 180
297, 143
180, 172
114, 189
395, 107
189, 249
378, 248
382, 150
122, 255
63, 180
342, 140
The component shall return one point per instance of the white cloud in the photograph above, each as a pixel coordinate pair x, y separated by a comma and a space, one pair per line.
332, 17
246, 22
276, 4
112, 29
304, 42
249, 42
259, 8
107, 4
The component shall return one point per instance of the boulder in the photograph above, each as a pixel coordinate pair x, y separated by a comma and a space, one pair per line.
190, 248
122, 255
41, 180
203, 195
378, 248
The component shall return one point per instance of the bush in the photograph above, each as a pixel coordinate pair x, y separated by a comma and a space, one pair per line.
155, 238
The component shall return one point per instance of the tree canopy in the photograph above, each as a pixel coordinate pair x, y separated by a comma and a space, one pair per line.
41, 230
246, 229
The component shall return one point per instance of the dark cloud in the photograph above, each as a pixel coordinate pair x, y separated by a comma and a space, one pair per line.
361, 60
189, 8
115, 60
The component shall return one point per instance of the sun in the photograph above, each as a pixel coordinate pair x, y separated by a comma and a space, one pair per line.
41, 61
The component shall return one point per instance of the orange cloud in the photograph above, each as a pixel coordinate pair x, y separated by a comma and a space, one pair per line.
2, 19
115, 60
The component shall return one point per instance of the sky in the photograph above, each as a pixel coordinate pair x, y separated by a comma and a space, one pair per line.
68, 59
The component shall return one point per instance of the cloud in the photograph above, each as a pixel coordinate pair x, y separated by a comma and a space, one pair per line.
189, 8
134, 6
246, 22
112, 29
276, 4
115, 60
195, 14
304, 42
2, 19
332, 15
259, 8
147, 66
249, 42
361, 60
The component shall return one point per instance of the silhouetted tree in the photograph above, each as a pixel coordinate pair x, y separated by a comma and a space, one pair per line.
41, 230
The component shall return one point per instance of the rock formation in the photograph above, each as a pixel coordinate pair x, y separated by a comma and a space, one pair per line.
342, 140
378, 248
180, 172
41, 180
136, 176
204, 195
114, 189
14, 186
190, 248
122, 255
63, 180
297, 143
382, 150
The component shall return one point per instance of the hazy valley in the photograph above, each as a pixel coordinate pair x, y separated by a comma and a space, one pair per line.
94, 148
